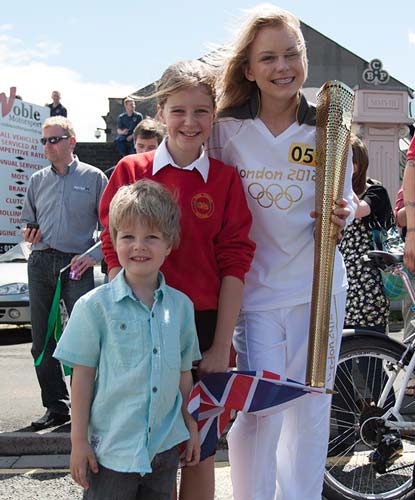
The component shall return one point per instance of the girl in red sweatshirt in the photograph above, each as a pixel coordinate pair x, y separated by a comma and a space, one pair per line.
215, 251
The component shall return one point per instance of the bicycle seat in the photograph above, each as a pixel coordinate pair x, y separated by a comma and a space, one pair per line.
383, 259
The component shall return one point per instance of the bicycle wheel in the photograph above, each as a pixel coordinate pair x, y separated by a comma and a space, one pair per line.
352, 470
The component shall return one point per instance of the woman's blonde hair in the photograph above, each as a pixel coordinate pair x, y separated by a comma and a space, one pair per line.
184, 75
233, 88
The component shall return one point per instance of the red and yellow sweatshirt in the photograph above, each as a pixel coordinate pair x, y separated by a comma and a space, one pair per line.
215, 223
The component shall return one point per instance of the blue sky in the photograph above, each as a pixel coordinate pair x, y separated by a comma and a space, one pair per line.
91, 50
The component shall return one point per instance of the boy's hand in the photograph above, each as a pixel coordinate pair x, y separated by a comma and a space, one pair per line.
214, 360
82, 456
192, 453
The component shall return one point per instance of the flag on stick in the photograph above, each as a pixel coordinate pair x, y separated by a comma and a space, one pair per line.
216, 397
55, 318
54, 325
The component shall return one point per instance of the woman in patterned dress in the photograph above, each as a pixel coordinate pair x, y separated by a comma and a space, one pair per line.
366, 306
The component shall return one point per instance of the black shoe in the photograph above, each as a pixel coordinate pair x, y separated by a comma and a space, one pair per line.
387, 452
50, 419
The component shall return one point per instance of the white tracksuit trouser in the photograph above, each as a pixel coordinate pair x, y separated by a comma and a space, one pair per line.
282, 456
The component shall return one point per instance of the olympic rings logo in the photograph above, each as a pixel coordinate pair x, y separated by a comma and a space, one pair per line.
274, 194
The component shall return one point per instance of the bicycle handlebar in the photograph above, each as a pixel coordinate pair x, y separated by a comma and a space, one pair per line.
384, 259
392, 263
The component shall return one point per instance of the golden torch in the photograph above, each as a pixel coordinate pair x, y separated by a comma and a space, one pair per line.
333, 123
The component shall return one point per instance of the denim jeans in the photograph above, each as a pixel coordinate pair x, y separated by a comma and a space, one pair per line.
108, 484
43, 273
124, 147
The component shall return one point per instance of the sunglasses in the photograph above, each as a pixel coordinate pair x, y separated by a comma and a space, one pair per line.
53, 140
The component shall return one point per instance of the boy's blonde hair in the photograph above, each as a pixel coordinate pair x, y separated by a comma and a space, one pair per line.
152, 204
233, 87
60, 121
184, 75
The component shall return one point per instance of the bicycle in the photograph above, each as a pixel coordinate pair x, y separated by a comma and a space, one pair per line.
371, 452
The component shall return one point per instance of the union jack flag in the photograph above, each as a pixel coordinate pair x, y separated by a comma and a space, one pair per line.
217, 396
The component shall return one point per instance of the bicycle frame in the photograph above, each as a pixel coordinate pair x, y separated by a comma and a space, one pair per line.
371, 450
400, 423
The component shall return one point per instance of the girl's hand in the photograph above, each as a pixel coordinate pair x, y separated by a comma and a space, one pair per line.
340, 213
82, 456
214, 360
338, 217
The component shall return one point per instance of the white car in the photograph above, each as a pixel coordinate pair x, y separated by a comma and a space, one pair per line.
14, 289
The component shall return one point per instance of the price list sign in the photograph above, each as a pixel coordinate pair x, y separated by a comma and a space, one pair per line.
21, 154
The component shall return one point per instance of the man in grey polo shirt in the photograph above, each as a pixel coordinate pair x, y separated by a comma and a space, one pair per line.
61, 215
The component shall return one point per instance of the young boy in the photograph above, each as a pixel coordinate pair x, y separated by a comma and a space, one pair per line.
132, 343
148, 134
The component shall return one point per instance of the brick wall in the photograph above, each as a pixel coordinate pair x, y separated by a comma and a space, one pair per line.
102, 155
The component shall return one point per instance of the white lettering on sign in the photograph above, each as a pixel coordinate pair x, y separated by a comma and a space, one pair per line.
379, 102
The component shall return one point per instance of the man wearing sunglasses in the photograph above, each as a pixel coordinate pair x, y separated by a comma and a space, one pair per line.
61, 216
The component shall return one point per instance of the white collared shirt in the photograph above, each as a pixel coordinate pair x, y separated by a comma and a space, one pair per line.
162, 158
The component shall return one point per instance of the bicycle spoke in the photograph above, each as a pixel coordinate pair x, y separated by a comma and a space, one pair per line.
351, 466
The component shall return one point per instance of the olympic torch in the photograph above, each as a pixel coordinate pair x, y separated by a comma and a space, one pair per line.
333, 123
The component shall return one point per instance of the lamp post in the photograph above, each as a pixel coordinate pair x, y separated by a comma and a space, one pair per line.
98, 130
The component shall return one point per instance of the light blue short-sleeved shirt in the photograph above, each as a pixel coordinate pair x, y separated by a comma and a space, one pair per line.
139, 354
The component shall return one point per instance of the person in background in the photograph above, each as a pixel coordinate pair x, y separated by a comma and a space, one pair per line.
215, 250
408, 315
409, 203
400, 212
405, 218
56, 107
263, 119
61, 216
148, 135
126, 124
367, 306
131, 344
